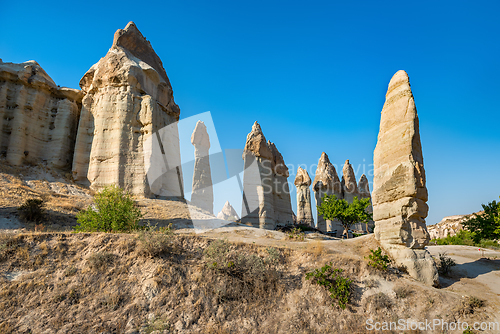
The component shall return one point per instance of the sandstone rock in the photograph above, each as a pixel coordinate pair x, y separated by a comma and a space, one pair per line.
123, 137
364, 192
326, 182
399, 195
203, 194
228, 213
266, 197
304, 210
448, 226
349, 185
38, 118
283, 213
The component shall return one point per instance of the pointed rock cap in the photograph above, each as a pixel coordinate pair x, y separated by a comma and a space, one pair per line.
134, 42
364, 186
326, 176
228, 212
399, 85
349, 179
302, 178
200, 135
256, 143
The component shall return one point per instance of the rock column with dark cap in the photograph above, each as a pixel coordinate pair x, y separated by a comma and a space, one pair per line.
302, 183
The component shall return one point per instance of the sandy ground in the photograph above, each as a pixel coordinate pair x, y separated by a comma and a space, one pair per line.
476, 273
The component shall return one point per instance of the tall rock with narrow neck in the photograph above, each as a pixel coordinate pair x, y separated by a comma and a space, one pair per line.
399, 191
203, 194
304, 211
127, 131
326, 182
38, 119
364, 192
266, 197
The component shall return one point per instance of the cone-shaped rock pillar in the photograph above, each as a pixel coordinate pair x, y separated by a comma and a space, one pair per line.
203, 194
399, 191
304, 211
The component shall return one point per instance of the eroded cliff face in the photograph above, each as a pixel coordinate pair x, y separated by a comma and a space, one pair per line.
399, 191
38, 119
304, 210
122, 139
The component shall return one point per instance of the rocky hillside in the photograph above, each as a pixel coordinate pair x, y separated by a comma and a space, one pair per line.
448, 226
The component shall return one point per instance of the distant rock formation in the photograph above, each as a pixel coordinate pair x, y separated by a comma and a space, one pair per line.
364, 192
304, 210
38, 119
448, 226
228, 213
400, 195
127, 104
203, 194
266, 197
349, 185
326, 182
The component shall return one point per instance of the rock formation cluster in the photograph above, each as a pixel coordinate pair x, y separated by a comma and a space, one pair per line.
304, 210
448, 226
327, 182
266, 196
228, 213
203, 194
400, 194
38, 119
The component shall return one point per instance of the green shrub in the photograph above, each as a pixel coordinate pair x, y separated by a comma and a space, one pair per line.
115, 211
331, 279
467, 238
32, 210
444, 264
377, 260
296, 234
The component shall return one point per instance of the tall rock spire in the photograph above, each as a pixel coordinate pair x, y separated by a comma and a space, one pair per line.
349, 186
127, 131
203, 194
399, 191
304, 211
326, 181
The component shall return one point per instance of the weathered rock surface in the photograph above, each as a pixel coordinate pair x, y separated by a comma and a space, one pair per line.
364, 192
304, 211
326, 181
123, 137
448, 226
349, 184
228, 213
400, 195
266, 197
203, 194
38, 119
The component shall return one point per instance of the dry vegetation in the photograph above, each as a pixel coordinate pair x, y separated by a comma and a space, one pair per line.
118, 283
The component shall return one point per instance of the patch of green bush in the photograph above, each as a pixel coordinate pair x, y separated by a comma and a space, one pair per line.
115, 211
444, 264
466, 238
377, 260
332, 279
32, 210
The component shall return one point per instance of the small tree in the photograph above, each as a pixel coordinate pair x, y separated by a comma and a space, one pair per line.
485, 225
115, 211
347, 213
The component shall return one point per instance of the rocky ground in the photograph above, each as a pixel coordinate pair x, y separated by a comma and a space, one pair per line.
55, 281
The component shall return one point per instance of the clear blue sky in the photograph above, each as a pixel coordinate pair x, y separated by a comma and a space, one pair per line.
314, 74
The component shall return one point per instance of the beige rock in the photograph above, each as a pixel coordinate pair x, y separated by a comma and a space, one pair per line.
203, 194
228, 213
326, 182
349, 185
304, 211
399, 194
364, 192
123, 137
38, 118
266, 196
448, 226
